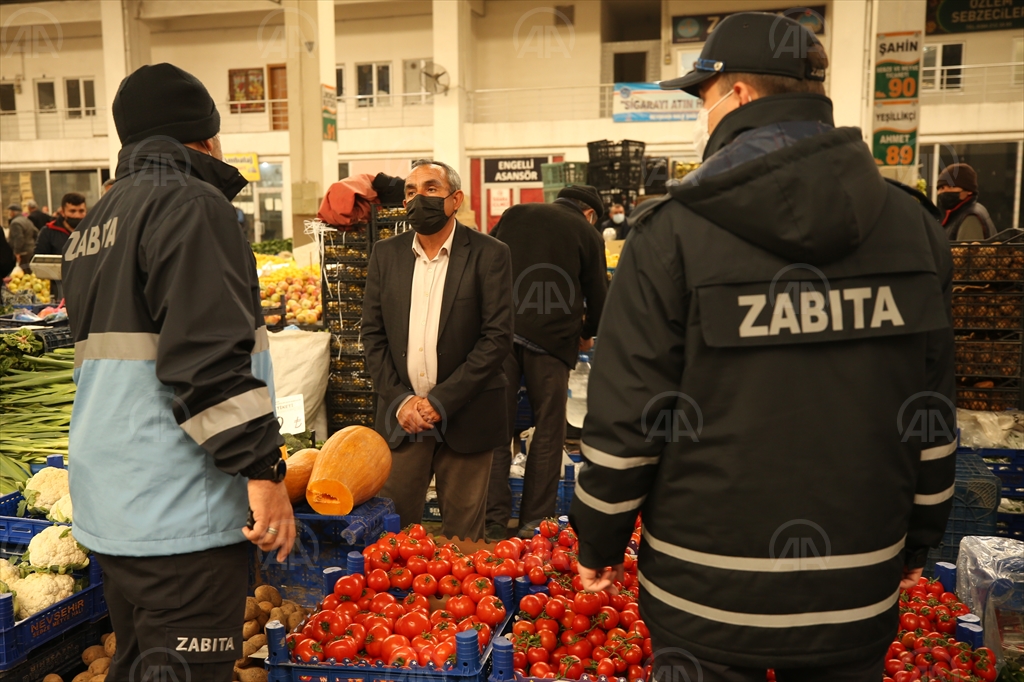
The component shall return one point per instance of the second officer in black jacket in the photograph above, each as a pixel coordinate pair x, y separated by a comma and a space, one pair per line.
774, 388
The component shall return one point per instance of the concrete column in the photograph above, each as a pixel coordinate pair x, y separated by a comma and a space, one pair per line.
126, 47
452, 40
849, 26
310, 47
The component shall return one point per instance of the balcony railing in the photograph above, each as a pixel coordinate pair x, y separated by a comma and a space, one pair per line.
508, 105
972, 83
253, 116
52, 124
386, 111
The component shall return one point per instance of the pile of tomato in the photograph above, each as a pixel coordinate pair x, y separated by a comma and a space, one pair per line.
925, 647
570, 632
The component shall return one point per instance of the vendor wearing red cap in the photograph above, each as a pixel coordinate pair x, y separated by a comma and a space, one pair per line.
964, 218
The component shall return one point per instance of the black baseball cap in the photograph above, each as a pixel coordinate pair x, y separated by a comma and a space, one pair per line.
753, 42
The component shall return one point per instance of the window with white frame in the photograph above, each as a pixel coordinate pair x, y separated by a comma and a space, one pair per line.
46, 96
373, 84
419, 86
80, 97
339, 80
940, 66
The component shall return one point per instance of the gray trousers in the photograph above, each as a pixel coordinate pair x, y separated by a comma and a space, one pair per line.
461, 481
547, 385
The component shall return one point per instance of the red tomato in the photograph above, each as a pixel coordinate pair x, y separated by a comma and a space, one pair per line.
607, 617
462, 567
524, 627
445, 630
640, 628
342, 648
580, 647
382, 559
632, 654
537, 575
567, 538
506, 549
392, 643
549, 528
606, 667
554, 609
416, 602
934, 587
504, 567
416, 531
349, 608
358, 634
461, 606
490, 610
597, 637
580, 623
307, 650
444, 654
948, 598
985, 668
330, 603
548, 624
413, 624
425, 584
378, 580
425, 655
478, 589
403, 656
401, 578
540, 669
381, 600
439, 615
411, 547
417, 564
483, 630
537, 654
531, 605
439, 568
570, 668
449, 586
627, 618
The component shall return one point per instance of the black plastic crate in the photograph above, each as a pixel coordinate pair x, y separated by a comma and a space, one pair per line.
988, 359
349, 381
988, 262
343, 325
626, 150
346, 305
626, 197
344, 272
980, 308
336, 421
353, 290
351, 401
975, 500
989, 399
346, 343
354, 234
611, 174
352, 252
563, 173
348, 363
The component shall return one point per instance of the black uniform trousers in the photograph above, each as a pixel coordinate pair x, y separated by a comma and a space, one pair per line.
179, 614
547, 386
675, 665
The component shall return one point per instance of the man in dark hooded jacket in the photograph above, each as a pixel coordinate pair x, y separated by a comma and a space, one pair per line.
964, 218
775, 393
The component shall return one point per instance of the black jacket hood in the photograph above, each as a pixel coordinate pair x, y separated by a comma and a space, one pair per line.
811, 202
169, 158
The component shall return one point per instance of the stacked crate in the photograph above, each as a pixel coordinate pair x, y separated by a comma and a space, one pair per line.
988, 321
350, 398
557, 176
616, 169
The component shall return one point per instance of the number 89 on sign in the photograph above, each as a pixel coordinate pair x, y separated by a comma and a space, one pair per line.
896, 155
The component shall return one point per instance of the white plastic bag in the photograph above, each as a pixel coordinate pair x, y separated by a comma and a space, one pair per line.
301, 364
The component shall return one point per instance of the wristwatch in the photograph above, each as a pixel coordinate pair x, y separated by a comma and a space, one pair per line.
273, 472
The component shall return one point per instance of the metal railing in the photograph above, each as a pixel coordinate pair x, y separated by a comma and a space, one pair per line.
972, 83
253, 116
52, 124
386, 111
507, 105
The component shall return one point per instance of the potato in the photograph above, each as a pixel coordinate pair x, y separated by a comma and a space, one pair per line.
92, 653
100, 665
110, 646
266, 607
263, 619
252, 608
103, 637
248, 649
288, 608
259, 641
277, 614
268, 593
289, 602
52, 678
102, 677
253, 675
294, 621
250, 628
234, 675
83, 677
241, 663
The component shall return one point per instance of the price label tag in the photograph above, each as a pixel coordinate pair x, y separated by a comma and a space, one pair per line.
291, 414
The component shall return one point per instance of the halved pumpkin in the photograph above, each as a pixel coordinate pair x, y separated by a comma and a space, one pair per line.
353, 465
300, 466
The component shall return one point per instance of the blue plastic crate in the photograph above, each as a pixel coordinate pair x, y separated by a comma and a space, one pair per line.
975, 500
1010, 526
471, 664
19, 639
322, 541
566, 491
61, 656
1008, 465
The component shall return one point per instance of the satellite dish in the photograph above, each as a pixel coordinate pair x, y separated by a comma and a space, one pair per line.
437, 80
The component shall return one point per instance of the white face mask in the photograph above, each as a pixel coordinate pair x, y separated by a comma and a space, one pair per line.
618, 218
701, 134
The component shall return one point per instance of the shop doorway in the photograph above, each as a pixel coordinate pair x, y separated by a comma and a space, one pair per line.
270, 214
278, 76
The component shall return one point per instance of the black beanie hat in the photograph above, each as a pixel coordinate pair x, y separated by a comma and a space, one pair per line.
959, 175
162, 99
585, 193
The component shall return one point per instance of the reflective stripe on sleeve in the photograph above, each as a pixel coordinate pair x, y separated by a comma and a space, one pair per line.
936, 498
612, 462
233, 412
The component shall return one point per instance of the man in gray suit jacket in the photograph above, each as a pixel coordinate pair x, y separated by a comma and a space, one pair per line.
437, 326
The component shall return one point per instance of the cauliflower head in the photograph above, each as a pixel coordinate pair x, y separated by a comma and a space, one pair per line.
60, 512
9, 589
44, 489
56, 550
9, 573
40, 591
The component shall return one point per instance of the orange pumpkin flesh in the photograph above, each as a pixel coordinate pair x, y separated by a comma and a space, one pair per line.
353, 465
300, 466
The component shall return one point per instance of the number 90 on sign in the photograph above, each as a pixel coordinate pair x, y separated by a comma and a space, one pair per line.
897, 155
900, 88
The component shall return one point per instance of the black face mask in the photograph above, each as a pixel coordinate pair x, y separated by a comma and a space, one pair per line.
427, 214
72, 222
948, 200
